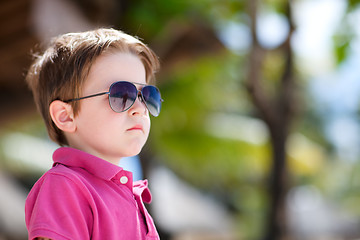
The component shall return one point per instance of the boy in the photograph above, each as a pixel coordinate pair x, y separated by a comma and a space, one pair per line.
92, 90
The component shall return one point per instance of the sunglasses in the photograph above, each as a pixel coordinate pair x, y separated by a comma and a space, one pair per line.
122, 95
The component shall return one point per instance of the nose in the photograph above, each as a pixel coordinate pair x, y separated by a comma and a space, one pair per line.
139, 106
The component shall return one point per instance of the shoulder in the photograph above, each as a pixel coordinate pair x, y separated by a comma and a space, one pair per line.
57, 193
58, 180
63, 173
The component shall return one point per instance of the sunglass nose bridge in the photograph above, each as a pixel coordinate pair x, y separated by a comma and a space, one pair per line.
140, 97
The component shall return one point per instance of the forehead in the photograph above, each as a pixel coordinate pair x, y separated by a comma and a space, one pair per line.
112, 67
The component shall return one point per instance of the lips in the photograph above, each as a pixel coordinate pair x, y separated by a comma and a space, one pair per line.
137, 127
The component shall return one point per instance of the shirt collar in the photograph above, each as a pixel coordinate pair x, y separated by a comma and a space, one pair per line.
76, 158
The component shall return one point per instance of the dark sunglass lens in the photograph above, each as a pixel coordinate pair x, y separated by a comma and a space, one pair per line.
152, 99
122, 96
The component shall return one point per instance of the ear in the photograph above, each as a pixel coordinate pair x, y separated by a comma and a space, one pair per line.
62, 115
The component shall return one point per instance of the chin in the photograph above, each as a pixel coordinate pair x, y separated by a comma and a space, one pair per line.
132, 152
130, 148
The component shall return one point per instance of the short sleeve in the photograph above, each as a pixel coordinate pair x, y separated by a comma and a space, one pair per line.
57, 208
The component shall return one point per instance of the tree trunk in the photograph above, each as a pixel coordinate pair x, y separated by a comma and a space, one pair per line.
277, 112
276, 228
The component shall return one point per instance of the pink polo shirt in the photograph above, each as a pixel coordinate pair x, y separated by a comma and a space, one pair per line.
85, 197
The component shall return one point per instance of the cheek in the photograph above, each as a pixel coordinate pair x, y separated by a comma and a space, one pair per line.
96, 117
148, 125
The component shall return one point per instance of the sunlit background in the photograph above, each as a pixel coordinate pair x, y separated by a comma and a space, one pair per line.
259, 133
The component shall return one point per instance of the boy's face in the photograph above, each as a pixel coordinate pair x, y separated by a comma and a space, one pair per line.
101, 131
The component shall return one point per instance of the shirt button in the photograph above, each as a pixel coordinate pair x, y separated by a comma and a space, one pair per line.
124, 180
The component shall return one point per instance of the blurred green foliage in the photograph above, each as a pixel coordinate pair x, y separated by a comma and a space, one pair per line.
181, 134
235, 170
345, 33
194, 92
353, 4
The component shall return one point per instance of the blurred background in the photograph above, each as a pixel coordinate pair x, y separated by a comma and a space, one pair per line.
259, 132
